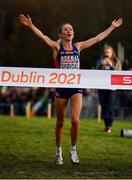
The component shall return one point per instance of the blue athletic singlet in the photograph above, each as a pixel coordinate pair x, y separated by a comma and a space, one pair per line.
67, 59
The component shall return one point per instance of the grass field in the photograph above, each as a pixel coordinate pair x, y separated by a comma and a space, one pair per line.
27, 150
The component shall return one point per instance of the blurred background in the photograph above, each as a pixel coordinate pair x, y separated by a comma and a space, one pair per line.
19, 47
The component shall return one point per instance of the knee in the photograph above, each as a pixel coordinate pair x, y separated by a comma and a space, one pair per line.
60, 124
75, 123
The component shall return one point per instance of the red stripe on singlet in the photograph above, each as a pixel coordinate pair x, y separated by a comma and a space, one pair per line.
56, 63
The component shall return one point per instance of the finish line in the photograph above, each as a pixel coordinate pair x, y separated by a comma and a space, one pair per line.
66, 78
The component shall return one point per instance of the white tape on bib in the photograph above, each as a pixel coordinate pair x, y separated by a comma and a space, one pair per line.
66, 78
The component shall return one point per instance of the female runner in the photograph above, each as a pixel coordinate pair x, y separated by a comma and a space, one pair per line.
67, 56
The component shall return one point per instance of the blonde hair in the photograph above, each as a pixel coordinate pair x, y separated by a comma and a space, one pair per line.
113, 58
61, 27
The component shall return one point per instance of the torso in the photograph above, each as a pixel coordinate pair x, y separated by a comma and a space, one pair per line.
67, 59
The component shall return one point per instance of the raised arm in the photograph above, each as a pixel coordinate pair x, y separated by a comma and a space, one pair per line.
26, 21
90, 42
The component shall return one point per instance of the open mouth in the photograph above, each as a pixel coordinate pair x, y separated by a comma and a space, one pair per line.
69, 35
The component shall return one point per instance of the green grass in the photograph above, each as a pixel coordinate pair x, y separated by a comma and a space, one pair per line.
27, 149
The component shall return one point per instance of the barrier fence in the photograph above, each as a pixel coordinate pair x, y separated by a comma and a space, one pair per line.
91, 108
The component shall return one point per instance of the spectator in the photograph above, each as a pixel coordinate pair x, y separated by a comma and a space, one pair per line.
107, 98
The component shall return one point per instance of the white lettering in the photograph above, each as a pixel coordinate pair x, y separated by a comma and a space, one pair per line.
127, 80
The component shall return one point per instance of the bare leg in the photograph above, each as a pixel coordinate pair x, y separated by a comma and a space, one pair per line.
76, 105
61, 105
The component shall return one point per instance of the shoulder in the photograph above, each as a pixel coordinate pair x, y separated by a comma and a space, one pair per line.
99, 61
76, 46
56, 50
58, 45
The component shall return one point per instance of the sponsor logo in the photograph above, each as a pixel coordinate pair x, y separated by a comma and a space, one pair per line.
69, 52
121, 80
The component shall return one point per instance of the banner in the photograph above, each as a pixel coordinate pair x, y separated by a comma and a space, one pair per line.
66, 78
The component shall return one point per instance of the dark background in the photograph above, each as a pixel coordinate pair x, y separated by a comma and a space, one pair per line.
20, 47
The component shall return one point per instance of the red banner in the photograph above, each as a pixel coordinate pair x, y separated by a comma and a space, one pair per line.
121, 80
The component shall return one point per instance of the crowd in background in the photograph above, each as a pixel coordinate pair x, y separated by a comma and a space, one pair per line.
19, 97
40, 97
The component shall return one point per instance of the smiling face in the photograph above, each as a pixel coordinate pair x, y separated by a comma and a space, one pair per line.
66, 32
